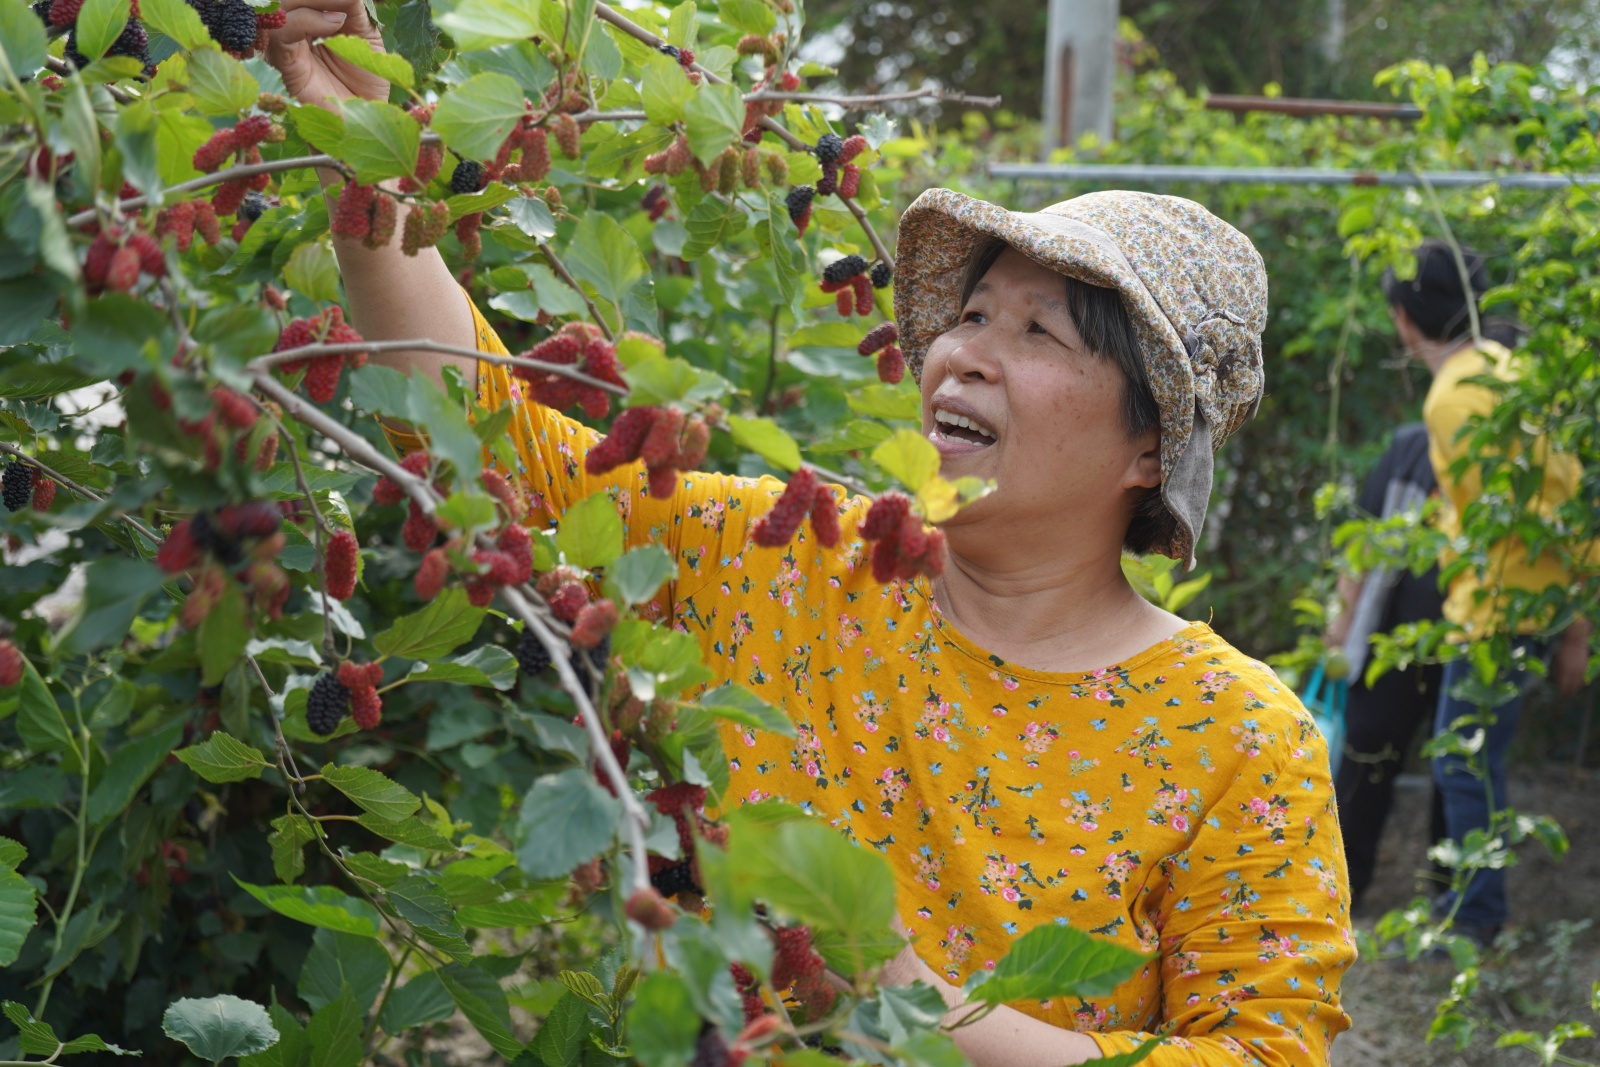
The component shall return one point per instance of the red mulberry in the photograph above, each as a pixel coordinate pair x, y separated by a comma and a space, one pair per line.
340, 563
179, 552
649, 910
467, 232
229, 195
852, 147
825, 517
44, 494
660, 446
662, 481
877, 337
593, 623
891, 365
12, 664
568, 601
621, 445
501, 490
366, 707
322, 378
419, 529
849, 181
352, 215
863, 288
216, 151
432, 573
777, 527
884, 516
516, 544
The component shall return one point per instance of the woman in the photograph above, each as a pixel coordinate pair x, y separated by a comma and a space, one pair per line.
1024, 738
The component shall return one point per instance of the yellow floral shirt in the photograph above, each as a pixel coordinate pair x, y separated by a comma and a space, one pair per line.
1178, 802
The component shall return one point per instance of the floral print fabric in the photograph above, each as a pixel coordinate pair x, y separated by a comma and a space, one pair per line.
1177, 803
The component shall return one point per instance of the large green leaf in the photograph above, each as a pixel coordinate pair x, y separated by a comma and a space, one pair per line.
223, 634
639, 573
664, 89
342, 962
290, 835
99, 23
477, 115
220, 1026
560, 1040
447, 622
114, 589
478, 24
292, 1047
488, 665
358, 53
483, 1002
177, 20
17, 905
224, 758
380, 140
734, 703
321, 905
663, 1024
334, 1033
374, 792
591, 532
605, 255
1055, 961
40, 724
566, 819
424, 999
711, 223
220, 84
775, 236
714, 119
22, 37
130, 766
766, 439
39, 1038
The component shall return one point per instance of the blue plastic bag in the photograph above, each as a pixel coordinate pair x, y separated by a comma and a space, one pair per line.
1325, 698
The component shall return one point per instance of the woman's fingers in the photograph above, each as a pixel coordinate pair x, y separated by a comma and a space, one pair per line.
306, 24
354, 12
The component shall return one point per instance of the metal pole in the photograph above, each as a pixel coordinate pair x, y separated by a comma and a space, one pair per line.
1080, 70
1161, 174
1305, 108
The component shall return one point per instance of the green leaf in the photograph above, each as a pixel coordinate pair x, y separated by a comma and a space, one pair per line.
321, 905
483, 1002
292, 1047
131, 765
12, 853
319, 127
810, 871
359, 53
339, 963
682, 29
481, 24
99, 24
223, 634
220, 84
591, 533
476, 116
177, 20
560, 1040
374, 792
638, 574
908, 457
714, 119
775, 236
223, 758
748, 16
334, 1033
882, 401
663, 1024
605, 255
380, 140
766, 439
22, 36
711, 223
664, 89
438, 629
488, 665
312, 270
220, 1026
838, 333
17, 906
290, 835
424, 999
1055, 961
40, 723
735, 703
114, 590
39, 1038
413, 832
514, 912
566, 819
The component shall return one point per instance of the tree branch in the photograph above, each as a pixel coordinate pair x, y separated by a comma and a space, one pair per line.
243, 170
81, 490
927, 92
561, 269
560, 370
66, 70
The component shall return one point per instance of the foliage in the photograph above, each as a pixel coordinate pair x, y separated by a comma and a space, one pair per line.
202, 846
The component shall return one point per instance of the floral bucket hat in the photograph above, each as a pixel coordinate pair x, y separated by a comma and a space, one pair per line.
1194, 287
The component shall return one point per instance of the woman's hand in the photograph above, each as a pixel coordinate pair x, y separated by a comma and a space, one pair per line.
311, 73
1571, 660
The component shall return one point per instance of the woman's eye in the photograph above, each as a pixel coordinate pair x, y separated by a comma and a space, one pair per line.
1034, 327
972, 316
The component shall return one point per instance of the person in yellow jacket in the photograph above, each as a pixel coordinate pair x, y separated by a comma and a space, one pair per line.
1433, 321
1024, 738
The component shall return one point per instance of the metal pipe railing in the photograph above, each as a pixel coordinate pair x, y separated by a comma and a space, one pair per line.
1302, 107
1164, 173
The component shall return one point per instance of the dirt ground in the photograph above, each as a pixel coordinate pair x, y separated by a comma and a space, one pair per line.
1551, 959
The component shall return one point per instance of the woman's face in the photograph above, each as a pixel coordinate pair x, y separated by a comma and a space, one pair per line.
1011, 394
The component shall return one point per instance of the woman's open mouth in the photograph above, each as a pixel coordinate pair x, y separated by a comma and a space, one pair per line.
955, 433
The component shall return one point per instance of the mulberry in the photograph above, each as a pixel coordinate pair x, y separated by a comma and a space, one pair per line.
567, 134
16, 486
424, 225
179, 552
432, 573
229, 195
252, 131
649, 910
877, 337
885, 515
849, 181
430, 158
662, 482
793, 957
366, 707
863, 289
825, 517
777, 167
205, 221
853, 146
384, 214
44, 494
891, 365
531, 655
231, 22
593, 623
237, 412
692, 449
352, 214
843, 269
254, 206
322, 377
621, 445
673, 878
516, 544
467, 232
12, 664
829, 147
535, 155
325, 704
660, 446
65, 12
777, 527
178, 221
881, 275
501, 490
828, 184
467, 177
799, 204
568, 601
354, 676
123, 272
340, 563
419, 529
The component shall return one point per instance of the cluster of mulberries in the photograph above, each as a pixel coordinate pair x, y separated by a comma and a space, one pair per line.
672, 160
322, 372
242, 143
655, 202
237, 26
364, 213
903, 548
12, 664
16, 486
839, 174
847, 276
426, 223
234, 419
134, 40
565, 347
360, 681
756, 110
664, 438
183, 220
891, 361
683, 802
798, 202
419, 530
117, 256
797, 968
243, 540
804, 496
326, 704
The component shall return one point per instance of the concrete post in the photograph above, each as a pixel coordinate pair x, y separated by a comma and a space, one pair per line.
1080, 70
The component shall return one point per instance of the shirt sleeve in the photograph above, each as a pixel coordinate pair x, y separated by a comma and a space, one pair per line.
704, 524
1253, 916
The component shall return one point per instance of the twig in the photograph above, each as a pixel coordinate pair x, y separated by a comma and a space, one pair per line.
1455, 251
318, 528
273, 359
244, 170
592, 115
561, 269
81, 490
286, 763
927, 92
607, 13
61, 67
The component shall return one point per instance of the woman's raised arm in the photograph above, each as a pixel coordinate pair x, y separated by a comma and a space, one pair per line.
392, 295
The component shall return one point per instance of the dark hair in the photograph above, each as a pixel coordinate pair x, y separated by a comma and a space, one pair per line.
1434, 299
1107, 331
